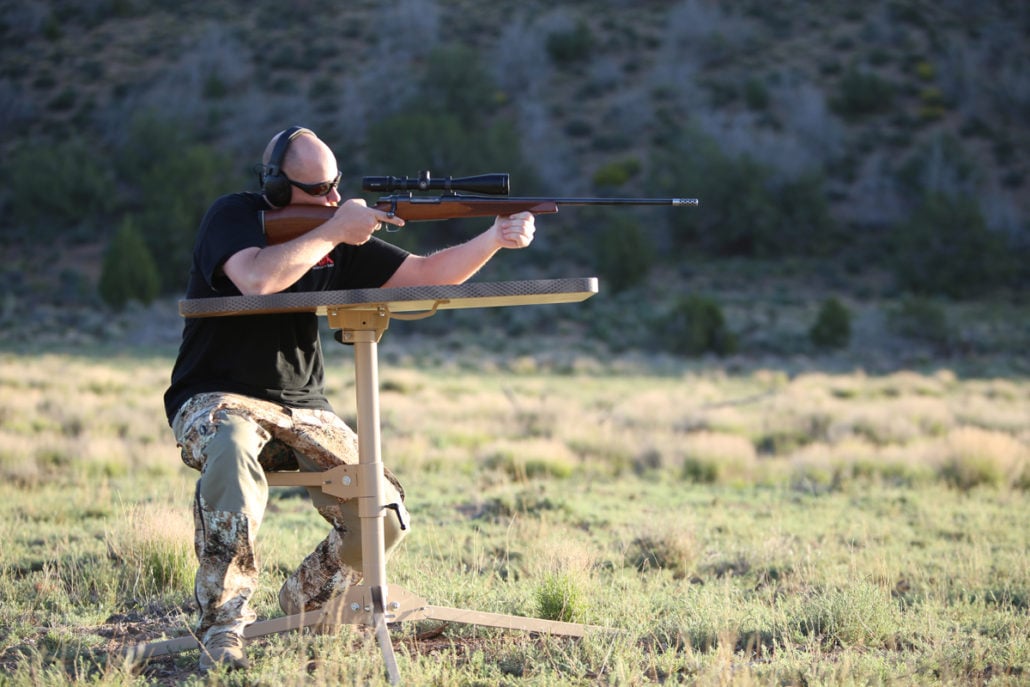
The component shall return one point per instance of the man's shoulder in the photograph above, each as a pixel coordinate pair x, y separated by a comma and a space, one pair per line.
243, 200
234, 209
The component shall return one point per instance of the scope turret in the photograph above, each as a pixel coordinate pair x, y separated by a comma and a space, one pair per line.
488, 184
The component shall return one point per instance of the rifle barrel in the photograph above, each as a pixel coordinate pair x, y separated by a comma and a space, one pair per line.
459, 197
624, 201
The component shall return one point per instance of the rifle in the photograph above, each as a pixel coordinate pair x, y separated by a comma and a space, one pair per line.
485, 195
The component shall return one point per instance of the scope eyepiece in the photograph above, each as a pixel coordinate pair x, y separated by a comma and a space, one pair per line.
488, 184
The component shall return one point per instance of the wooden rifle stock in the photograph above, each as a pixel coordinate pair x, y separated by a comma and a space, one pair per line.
292, 221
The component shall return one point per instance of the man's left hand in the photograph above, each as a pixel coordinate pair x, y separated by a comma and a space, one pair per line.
515, 231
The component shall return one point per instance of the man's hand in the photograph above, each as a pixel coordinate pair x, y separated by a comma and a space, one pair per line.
354, 222
514, 231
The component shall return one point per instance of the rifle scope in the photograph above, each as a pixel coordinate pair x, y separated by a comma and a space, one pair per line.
491, 184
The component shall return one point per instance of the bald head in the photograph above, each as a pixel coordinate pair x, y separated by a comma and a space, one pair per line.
307, 159
294, 149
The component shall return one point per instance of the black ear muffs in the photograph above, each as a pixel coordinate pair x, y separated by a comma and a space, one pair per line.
274, 183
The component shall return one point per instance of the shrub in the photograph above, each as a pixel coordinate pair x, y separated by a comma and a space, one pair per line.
160, 156
832, 326
579, 128
456, 82
63, 101
197, 173
129, 271
571, 45
700, 470
695, 326
450, 124
946, 248
756, 95
862, 614
861, 93
215, 87
624, 253
615, 174
932, 106
560, 597
149, 140
939, 166
36, 167
972, 457
676, 550
530, 459
715, 457
747, 208
432, 141
805, 224
920, 319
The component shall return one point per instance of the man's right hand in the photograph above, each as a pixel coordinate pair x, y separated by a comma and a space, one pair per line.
354, 222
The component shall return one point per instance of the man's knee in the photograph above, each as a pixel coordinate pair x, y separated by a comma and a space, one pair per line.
233, 479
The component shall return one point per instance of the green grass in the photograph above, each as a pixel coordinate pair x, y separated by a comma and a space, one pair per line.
748, 528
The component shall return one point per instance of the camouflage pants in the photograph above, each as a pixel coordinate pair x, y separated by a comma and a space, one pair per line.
232, 440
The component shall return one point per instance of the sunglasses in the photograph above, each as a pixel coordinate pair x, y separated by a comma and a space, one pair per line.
322, 188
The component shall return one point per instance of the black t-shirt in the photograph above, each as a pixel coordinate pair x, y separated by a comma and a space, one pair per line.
275, 357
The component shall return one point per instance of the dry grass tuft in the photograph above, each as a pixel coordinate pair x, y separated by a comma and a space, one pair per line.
675, 549
971, 457
154, 545
717, 457
529, 459
563, 571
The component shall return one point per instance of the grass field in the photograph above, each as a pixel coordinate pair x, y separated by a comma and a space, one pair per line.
747, 528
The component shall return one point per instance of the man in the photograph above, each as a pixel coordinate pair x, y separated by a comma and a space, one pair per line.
247, 394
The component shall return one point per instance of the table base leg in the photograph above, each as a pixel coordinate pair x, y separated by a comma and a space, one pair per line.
363, 605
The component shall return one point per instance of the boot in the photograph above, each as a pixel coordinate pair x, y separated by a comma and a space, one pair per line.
223, 649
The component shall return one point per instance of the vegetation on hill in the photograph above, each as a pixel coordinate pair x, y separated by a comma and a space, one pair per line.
886, 137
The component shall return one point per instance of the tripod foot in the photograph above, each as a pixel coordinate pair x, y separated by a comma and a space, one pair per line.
383, 636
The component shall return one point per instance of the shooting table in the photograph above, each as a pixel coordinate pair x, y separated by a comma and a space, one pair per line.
361, 316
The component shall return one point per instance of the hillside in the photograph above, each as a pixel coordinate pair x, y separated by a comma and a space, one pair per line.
854, 113
761, 71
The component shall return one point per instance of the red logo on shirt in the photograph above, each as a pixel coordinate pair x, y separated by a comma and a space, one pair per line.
327, 261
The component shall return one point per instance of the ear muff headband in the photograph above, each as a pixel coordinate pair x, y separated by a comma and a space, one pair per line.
274, 183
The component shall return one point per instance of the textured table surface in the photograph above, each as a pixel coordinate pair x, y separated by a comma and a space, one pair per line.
400, 300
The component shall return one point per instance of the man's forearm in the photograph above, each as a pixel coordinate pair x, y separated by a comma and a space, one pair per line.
261, 271
452, 265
